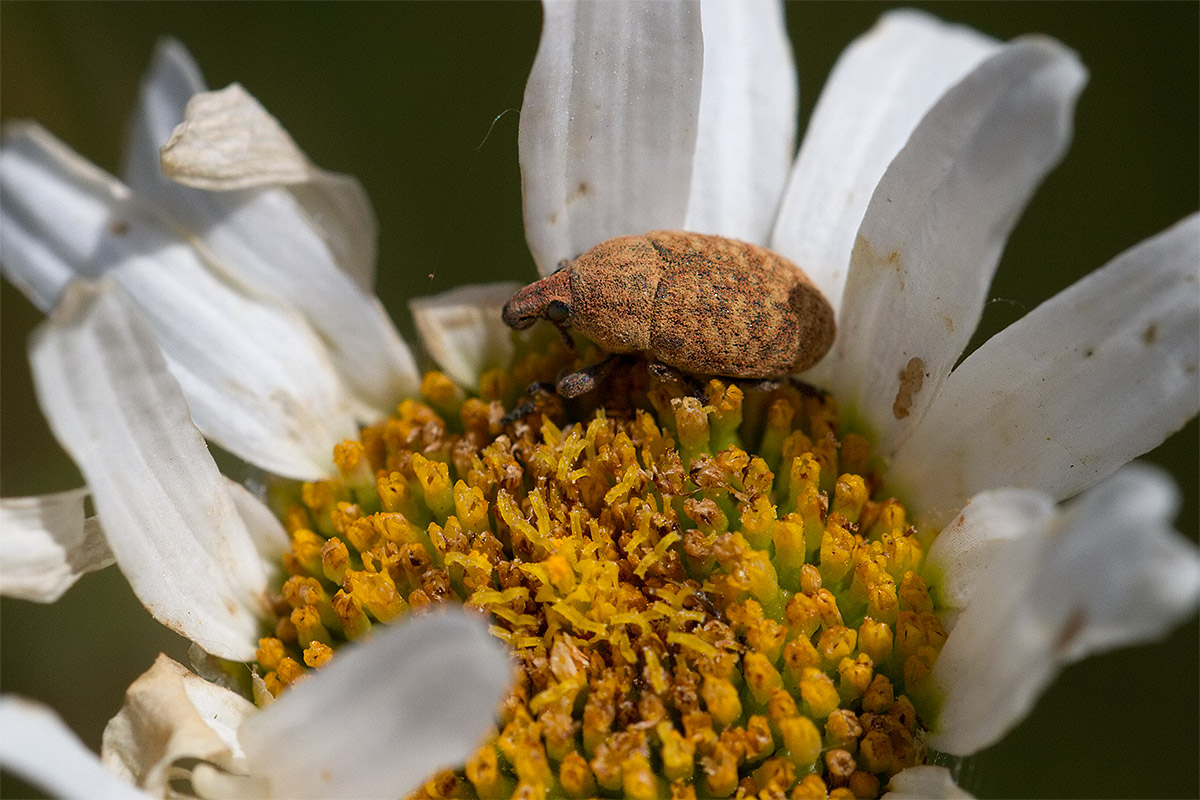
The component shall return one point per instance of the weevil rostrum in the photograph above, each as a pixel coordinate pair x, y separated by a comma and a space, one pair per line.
704, 305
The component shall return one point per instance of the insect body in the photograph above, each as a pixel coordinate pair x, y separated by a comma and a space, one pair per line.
701, 304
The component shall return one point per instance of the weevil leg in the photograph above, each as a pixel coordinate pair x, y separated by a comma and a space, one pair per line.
806, 388
665, 372
584, 380
537, 390
566, 337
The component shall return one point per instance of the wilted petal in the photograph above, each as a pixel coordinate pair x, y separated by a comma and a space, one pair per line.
747, 128
1107, 571
261, 227
46, 545
257, 379
37, 746
463, 332
936, 226
608, 125
172, 718
924, 783
168, 517
880, 88
1099, 374
415, 698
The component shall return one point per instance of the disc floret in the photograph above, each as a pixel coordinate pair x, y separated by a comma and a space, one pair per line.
703, 591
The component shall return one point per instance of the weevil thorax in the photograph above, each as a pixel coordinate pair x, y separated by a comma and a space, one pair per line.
613, 287
533, 302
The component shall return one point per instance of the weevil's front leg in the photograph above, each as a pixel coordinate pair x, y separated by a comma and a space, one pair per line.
584, 380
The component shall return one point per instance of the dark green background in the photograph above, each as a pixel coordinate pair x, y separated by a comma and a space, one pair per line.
404, 96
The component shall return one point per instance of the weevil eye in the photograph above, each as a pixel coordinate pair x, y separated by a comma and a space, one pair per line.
558, 311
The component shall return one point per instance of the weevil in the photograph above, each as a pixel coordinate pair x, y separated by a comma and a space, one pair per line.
704, 305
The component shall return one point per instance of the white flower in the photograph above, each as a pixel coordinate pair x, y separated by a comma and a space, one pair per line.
923, 150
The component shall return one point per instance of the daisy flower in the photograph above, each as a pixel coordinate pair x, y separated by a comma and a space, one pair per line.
791, 590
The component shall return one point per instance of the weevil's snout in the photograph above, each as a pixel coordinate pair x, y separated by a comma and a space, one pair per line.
523, 309
542, 299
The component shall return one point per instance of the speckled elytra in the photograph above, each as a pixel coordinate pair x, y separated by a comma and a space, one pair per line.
705, 305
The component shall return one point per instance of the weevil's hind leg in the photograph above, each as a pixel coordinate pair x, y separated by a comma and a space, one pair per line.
585, 380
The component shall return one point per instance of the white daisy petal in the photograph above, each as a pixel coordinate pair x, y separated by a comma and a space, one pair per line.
1105, 572
268, 237
170, 81
879, 90
37, 746
964, 554
170, 521
171, 715
271, 540
608, 125
415, 698
257, 378
747, 127
41, 258
46, 545
463, 332
936, 226
1095, 376
924, 783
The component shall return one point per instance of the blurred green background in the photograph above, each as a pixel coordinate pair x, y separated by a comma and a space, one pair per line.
419, 100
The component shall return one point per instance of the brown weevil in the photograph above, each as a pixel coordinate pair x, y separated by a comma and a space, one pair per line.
705, 305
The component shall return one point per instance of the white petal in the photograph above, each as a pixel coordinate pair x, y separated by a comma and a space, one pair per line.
267, 237
171, 80
747, 127
46, 545
879, 90
270, 538
936, 226
924, 783
416, 698
965, 554
41, 258
608, 125
172, 716
463, 332
112, 404
257, 379
37, 746
1107, 571
1095, 376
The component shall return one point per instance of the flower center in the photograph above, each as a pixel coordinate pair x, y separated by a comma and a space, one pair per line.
704, 593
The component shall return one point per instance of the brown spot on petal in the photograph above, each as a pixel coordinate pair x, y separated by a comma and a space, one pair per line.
1070, 631
1150, 334
912, 378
